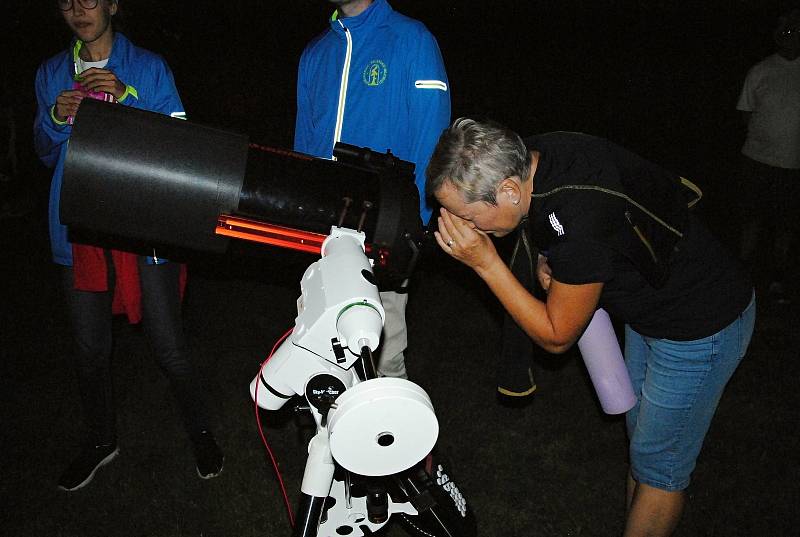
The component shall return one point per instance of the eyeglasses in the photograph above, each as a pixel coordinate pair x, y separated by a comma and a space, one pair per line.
66, 5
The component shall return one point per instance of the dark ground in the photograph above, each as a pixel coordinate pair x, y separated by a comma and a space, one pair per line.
659, 78
554, 468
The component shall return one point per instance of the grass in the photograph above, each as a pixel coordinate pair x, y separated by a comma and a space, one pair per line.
555, 467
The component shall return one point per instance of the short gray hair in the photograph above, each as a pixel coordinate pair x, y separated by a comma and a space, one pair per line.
475, 157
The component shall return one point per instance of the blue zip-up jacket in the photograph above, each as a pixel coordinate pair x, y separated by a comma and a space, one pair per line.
150, 87
394, 95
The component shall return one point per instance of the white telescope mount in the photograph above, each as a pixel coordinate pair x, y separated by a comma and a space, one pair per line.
371, 455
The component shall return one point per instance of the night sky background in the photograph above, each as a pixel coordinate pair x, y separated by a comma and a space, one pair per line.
660, 77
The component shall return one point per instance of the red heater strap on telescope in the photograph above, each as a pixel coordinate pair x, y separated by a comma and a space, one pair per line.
284, 237
253, 230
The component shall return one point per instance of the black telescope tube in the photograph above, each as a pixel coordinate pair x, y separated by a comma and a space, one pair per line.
298, 191
145, 176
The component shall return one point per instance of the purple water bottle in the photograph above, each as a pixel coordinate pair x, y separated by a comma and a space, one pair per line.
603, 359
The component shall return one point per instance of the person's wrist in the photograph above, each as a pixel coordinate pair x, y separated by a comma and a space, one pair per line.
129, 90
58, 120
488, 266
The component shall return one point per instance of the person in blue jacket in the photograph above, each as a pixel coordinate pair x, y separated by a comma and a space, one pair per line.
103, 64
375, 78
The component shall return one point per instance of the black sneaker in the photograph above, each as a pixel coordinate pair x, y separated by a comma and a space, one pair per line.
83, 468
209, 456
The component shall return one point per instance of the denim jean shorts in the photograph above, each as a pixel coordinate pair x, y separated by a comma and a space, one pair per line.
678, 385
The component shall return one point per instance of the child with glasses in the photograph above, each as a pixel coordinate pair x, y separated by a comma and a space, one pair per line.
103, 64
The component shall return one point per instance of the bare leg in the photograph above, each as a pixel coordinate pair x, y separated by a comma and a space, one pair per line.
653, 512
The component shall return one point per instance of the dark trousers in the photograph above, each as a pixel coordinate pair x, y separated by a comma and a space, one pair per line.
90, 314
769, 208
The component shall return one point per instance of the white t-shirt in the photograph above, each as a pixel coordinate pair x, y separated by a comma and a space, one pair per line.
772, 93
82, 65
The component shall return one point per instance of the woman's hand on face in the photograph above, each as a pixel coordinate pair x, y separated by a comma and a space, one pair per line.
95, 79
462, 240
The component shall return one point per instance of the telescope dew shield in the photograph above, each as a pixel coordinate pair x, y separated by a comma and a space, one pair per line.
146, 176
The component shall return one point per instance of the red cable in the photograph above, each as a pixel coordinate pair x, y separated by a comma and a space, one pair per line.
261, 430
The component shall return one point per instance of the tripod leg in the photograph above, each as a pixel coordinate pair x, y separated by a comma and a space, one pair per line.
442, 510
316, 486
308, 518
